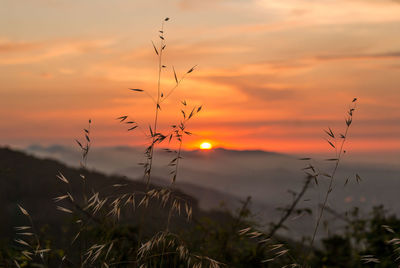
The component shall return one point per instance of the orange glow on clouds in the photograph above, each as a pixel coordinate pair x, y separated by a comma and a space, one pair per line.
270, 78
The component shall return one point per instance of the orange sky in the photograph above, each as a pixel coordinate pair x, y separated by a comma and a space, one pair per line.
271, 74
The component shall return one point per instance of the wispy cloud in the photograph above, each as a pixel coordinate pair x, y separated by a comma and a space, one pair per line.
7, 46
264, 67
256, 88
17, 52
194, 4
361, 56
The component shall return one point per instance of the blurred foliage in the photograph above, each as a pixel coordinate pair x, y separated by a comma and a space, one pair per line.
364, 241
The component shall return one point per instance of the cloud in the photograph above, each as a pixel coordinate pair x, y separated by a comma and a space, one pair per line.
255, 88
13, 47
261, 69
16, 52
361, 56
260, 82
195, 4
189, 51
269, 94
337, 12
301, 122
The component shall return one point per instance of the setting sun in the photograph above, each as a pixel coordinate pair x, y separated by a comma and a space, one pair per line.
205, 146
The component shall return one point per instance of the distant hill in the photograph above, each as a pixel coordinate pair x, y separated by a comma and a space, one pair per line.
123, 161
219, 172
230, 175
32, 183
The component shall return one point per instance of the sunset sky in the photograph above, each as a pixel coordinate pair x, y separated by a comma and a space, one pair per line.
270, 74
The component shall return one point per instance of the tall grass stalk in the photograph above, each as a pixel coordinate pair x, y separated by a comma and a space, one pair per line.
96, 208
338, 153
157, 107
155, 135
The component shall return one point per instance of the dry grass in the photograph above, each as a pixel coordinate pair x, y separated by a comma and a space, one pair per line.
93, 206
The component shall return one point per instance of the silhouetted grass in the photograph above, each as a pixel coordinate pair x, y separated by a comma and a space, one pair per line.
99, 232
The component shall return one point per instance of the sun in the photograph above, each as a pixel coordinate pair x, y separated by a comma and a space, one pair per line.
205, 146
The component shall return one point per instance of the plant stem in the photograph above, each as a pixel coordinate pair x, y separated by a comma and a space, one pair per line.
290, 210
160, 53
332, 176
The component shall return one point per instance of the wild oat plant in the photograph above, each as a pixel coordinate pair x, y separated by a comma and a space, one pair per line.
163, 248
111, 226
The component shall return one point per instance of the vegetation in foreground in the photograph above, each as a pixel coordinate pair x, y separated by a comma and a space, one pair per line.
100, 221
362, 242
